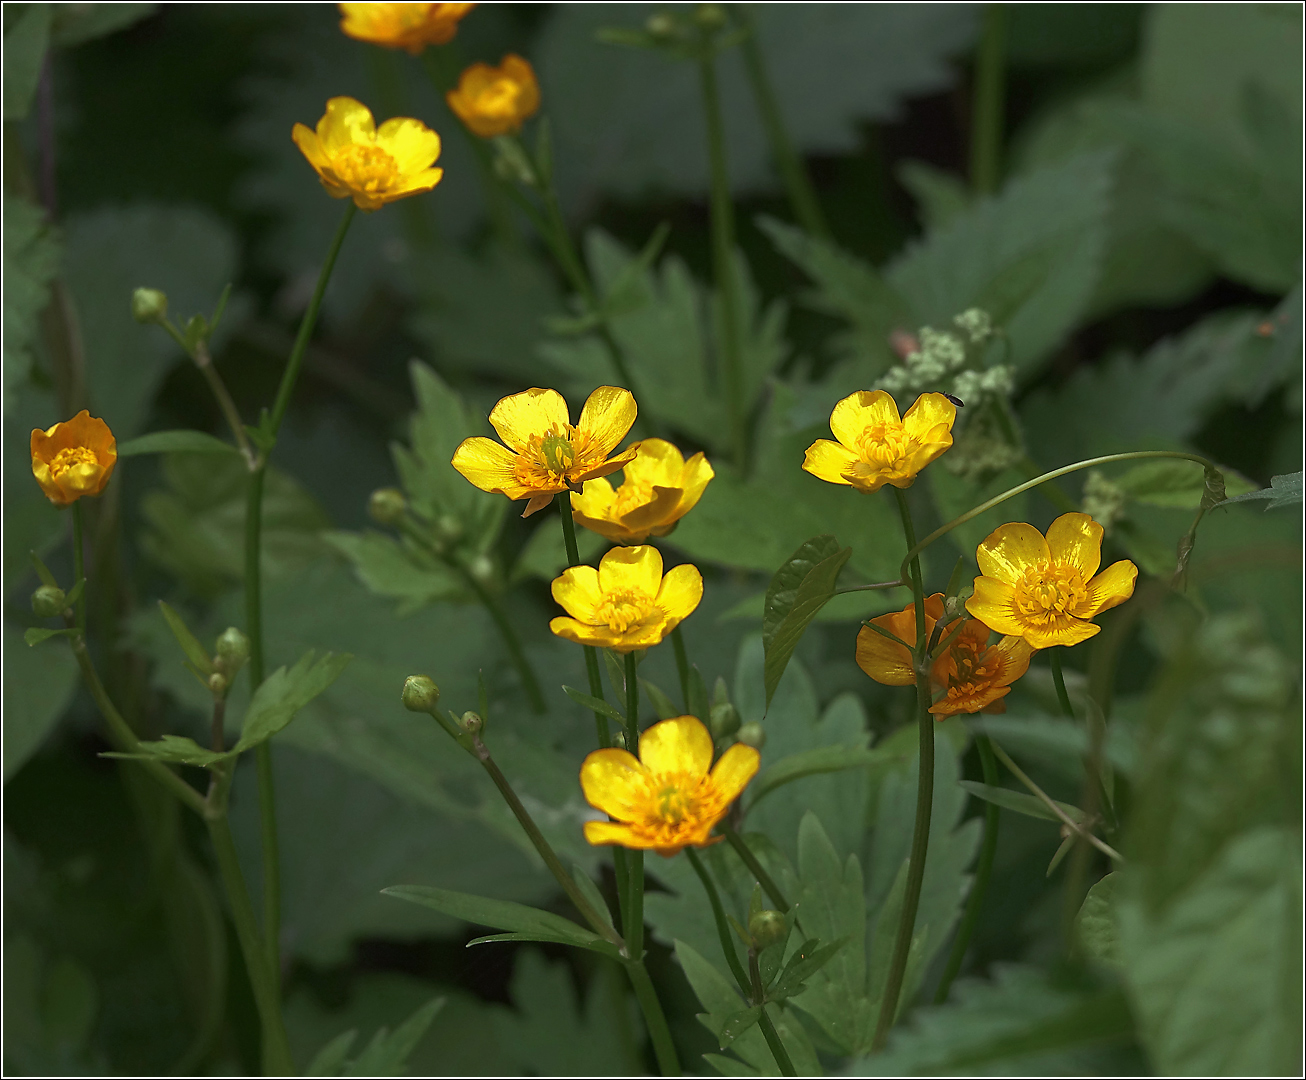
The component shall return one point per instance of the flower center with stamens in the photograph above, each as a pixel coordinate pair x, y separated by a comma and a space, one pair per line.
71, 457
364, 168
1050, 591
622, 610
884, 447
632, 495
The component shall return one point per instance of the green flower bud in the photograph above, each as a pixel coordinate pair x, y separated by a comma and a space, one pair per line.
149, 305
449, 528
751, 734
954, 607
218, 684
767, 928
661, 25
482, 569
724, 721
387, 506
49, 602
420, 694
471, 723
232, 652
710, 16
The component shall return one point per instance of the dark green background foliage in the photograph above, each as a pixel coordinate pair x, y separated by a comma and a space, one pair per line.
1142, 257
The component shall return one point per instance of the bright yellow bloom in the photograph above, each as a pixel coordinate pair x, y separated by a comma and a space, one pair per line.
402, 26
659, 488
373, 166
74, 458
545, 454
496, 100
1045, 590
667, 799
875, 447
625, 604
972, 674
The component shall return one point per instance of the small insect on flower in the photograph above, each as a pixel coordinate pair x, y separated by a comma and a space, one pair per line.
74, 458
373, 166
545, 454
666, 799
402, 26
496, 100
1044, 590
658, 489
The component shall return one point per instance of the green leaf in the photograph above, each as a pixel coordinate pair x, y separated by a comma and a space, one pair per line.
284, 693
34, 635
42, 571
1174, 483
167, 442
591, 891
805, 962
76, 23
1284, 490
737, 1023
37, 689
594, 704
331, 1058
813, 762
32, 252
1018, 801
174, 749
523, 923
195, 652
940, 196
398, 569
27, 36
798, 590
1096, 923
662, 705
387, 1054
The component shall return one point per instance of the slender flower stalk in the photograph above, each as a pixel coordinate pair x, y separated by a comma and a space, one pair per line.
987, 113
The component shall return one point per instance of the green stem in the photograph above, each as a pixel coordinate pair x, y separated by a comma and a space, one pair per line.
510, 639
253, 576
778, 1050
682, 665
1054, 659
204, 361
654, 1018
983, 871
1020, 489
79, 566
591, 656
798, 185
271, 845
755, 868
723, 253
987, 117
633, 927
722, 926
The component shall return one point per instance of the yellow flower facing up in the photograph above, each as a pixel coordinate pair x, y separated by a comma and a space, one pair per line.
74, 458
875, 446
373, 166
544, 453
666, 799
658, 489
402, 26
625, 604
1044, 590
496, 100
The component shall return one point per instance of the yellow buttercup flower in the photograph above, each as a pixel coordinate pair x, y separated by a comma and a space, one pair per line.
875, 447
625, 604
545, 454
658, 489
496, 100
667, 799
402, 26
373, 166
1045, 590
74, 458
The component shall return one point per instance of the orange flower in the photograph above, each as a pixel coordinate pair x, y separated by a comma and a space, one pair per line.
495, 101
402, 26
74, 458
886, 661
666, 799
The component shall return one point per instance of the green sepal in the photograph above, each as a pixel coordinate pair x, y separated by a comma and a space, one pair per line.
200, 660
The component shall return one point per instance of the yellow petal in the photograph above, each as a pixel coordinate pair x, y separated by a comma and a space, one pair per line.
614, 782
609, 530
310, 146
679, 745
662, 509
829, 461
1112, 586
415, 184
993, 603
346, 123
532, 412
412, 144
657, 463
681, 591
489, 466
577, 591
1065, 630
583, 634
1008, 550
632, 569
608, 414
737, 766
1015, 653
855, 413
539, 501
928, 413
599, 833
605, 468
595, 499
694, 480
883, 660
1076, 540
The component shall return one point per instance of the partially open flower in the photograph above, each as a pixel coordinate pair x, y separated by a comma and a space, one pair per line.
1045, 590
625, 604
667, 799
545, 454
886, 661
875, 446
402, 26
658, 489
74, 458
373, 166
496, 100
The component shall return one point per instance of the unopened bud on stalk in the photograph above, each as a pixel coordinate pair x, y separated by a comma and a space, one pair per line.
471, 723
49, 602
149, 305
218, 684
420, 694
767, 928
449, 528
232, 652
710, 16
751, 734
387, 506
482, 569
724, 721
660, 25
954, 607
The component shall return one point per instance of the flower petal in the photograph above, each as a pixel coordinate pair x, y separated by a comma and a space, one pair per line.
1076, 540
1007, 551
310, 146
657, 463
598, 833
415, 184
489, 466
532, 412
632, 569
679, 745
583, 634
413, 145
881, 659
577, 590
539, 500
1112, 586
595, 499
1014, 654
608, 414
855, 413
615, 782
993, 603
345, 123
829, 461
680, 592
661, 509
694, 479
731, 774
929, 412
604, 468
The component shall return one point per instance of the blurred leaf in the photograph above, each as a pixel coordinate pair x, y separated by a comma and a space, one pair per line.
545, 553
940, 196
167, 442
397, 569
35, 635
387, 1054
1096, 923
76, 23
27, 35
1283, 491
1019, 801
813, 762
954, 495
331, 1058
195, 652
174, 749
38, 685
1175, 483
31, 521
32, 254
283, 693
1071, 35
595, 705
737, 1023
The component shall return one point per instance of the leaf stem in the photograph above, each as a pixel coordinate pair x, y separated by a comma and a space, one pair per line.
204, 361
682, 665
664, 1049
755, 868
987, 116
722, 926
1059, 680
79, 566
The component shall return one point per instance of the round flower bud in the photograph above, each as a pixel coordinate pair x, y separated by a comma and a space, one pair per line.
954, 607
449, 528
232, 651
420, 694
660, 25
387, 506
710, 16
471, 723
149, 305
767, 928
49, 602
724, 721
482, 569
218, 684
751, 734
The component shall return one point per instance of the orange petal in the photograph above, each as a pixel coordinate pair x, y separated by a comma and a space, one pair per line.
881, 659
1007, 551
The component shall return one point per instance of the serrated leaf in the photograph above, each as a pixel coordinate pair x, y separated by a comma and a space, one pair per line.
284, 693
174, 749
167, 442
331, 1058
1095, 924
1284, 490
387, 1054
806, 962
1018, 801
737, 1023
1174, 483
